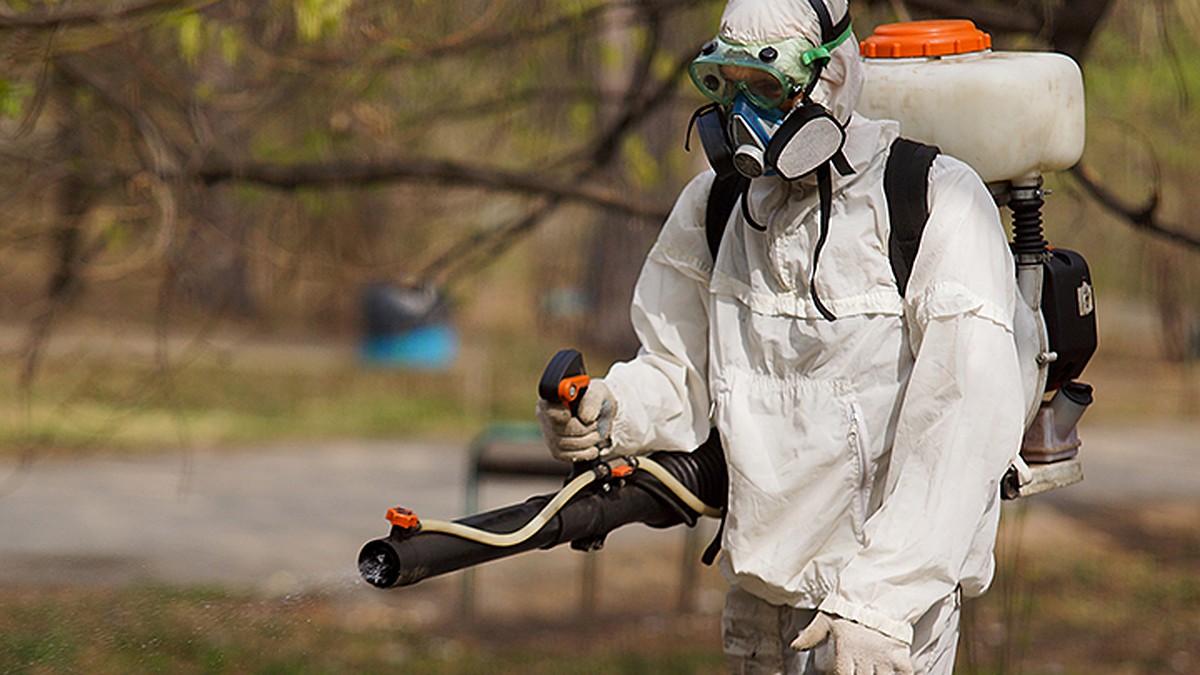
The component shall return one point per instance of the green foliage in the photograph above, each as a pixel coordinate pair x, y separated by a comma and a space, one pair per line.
231, 44
190, 27
316, 19
13, 97
641, 165
1142, 76
614, 56
1148, 83
582, 116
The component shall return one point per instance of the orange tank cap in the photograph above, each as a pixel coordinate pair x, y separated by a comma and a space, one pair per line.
942, 37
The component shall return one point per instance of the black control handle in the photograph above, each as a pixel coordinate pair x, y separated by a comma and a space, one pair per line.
565, 380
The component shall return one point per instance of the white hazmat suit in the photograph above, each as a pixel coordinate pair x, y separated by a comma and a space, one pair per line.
864, 453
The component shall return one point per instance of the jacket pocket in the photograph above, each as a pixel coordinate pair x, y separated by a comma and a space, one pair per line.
798, 466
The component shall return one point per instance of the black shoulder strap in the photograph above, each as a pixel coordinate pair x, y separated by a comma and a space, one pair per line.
905, 181
724, 194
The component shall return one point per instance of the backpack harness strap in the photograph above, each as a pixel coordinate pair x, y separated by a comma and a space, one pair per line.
905, 181
724, 194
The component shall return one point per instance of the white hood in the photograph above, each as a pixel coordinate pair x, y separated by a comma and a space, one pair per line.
756, 21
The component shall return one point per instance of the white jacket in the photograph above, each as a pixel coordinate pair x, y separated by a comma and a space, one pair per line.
864, 454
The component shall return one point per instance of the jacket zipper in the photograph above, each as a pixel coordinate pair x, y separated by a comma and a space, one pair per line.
856, 438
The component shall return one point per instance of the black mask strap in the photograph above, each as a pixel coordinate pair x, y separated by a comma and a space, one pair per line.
830, 32
825, 193
709, 121
746, 209
700, 112
842, 164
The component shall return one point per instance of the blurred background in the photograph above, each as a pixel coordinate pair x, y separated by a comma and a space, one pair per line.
270, 267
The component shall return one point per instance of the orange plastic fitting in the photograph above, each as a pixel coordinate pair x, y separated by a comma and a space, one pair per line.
402, 518
622, 471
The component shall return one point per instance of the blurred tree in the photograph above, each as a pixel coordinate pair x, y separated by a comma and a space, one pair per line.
220, 146
328, 94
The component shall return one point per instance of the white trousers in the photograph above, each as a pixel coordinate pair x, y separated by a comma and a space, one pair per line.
757, 638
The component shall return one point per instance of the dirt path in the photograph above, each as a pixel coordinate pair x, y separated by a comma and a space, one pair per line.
282, 518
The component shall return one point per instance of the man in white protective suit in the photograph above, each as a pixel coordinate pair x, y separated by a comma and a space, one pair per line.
865, 431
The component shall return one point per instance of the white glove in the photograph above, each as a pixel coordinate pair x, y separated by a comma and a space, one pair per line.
581, 437
856, 648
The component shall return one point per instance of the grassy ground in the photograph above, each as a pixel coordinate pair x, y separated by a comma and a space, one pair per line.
1098, 591
154, 629
112, 392
98, 389
1101, 590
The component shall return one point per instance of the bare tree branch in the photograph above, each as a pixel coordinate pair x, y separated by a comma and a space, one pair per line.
90, 13
987, 17
1067, 25
460, 46
1074, 22
638, 109
490, 243
359, 174
1141, 217
160, 153
465, 255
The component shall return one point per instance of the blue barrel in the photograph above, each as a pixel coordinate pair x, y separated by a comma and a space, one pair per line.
407, 327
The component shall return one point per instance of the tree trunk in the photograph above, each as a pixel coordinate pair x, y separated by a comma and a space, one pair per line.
210, 262
1074, 23
210, 265
73, 197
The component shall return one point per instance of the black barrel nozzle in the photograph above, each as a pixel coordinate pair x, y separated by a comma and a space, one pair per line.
378, 564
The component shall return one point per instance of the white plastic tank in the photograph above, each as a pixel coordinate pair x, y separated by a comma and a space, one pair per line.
1010, 115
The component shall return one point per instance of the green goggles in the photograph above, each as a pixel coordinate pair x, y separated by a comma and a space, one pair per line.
768, 74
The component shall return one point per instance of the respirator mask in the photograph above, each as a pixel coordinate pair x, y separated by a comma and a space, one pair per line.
771, 124
762, 120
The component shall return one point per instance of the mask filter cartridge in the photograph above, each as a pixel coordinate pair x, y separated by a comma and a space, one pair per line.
810, 137
750, 130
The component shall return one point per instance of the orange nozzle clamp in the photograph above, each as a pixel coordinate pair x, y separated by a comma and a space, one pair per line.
622, 471
569, 387
402, 518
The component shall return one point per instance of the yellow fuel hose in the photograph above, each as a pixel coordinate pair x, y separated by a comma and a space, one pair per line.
679, 489
560, 499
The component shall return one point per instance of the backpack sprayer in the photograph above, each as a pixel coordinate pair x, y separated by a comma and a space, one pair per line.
661, 490
1012, 116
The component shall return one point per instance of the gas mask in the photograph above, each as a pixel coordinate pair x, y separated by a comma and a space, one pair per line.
750, 132
762, 120
773, 126
768, 142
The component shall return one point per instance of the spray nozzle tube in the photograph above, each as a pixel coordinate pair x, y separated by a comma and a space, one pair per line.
661, 490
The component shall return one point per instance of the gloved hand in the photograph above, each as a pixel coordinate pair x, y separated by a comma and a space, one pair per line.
856, 648
582, 437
